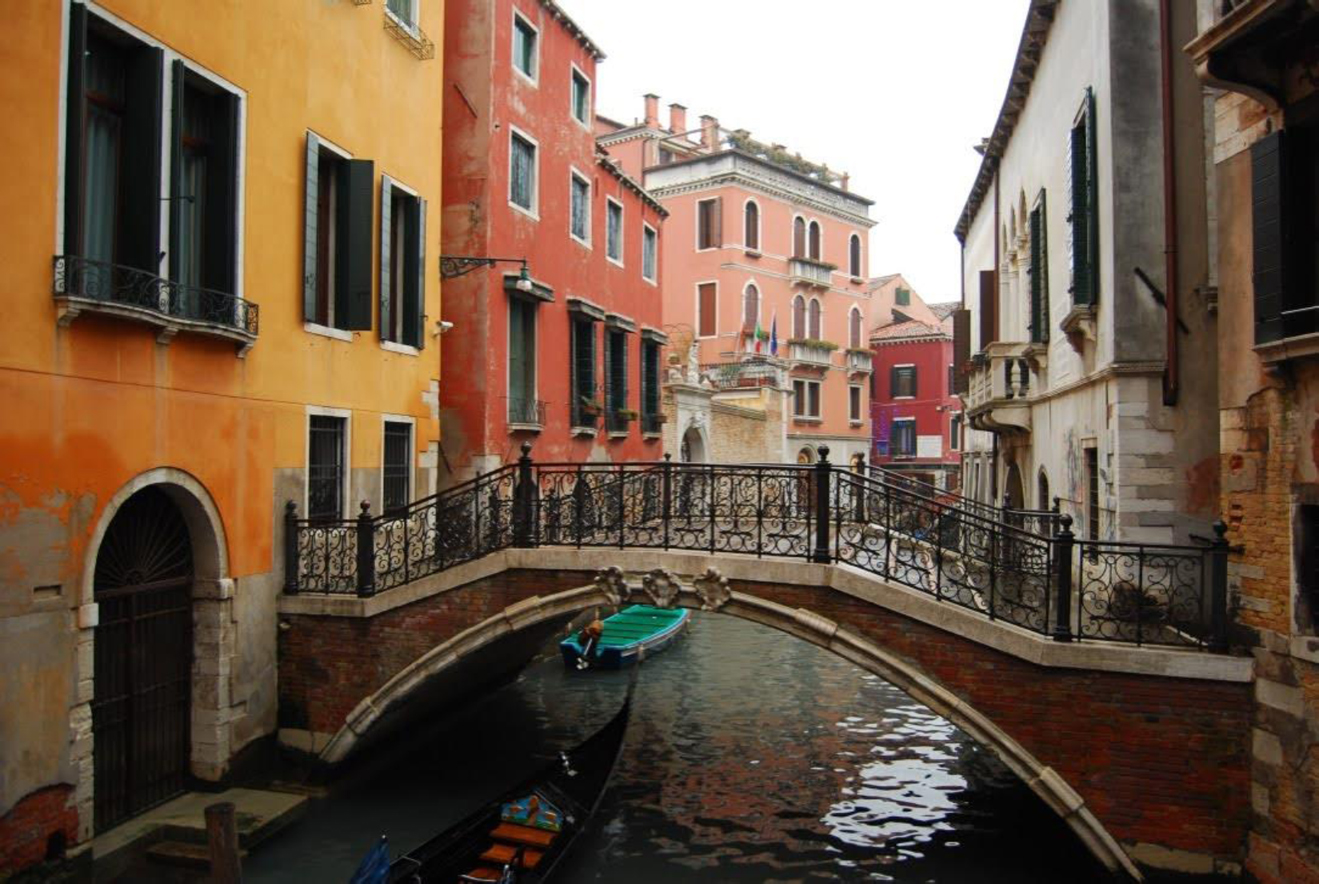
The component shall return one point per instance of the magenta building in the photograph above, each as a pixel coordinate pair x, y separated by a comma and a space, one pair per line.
916, 422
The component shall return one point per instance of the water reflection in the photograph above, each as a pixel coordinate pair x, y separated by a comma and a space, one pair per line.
753, 756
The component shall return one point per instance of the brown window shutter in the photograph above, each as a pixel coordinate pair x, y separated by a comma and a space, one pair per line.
717, 222
988, 308
707, 310
961, 348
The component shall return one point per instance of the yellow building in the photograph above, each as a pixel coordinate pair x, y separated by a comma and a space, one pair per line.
216, 221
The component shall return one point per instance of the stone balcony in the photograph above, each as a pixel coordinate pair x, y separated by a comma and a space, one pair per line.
860, 361
1002, 385
810, 354
805, 271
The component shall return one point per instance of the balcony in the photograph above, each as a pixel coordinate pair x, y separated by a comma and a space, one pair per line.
748, 374
812, 273
1002, 385
859, 361
86, 286
808, 353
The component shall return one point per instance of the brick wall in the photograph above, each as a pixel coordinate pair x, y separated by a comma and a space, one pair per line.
1164, 761
26, 830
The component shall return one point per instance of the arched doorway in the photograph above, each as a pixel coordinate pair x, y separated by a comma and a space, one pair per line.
1042, 491
1014, 495
693, 447
141, 707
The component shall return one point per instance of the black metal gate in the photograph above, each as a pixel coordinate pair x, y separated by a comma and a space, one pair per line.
143, 687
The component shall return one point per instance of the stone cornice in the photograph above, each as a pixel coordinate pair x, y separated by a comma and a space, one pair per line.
738, 179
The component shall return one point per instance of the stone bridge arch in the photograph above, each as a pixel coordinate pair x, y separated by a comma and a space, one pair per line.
711, 592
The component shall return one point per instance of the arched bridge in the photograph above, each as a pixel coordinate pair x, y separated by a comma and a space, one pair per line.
1093, 668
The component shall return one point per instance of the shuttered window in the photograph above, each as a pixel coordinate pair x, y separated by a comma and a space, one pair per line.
616, 369
854, 255
706, 310
798, 238
1039, 273
614, 231
522, 173
397, 466
649, 252
1083, 220
581, 97
813, 320
1268, 225
805, 398
524, 46
650, 378
402, 265
961, 349
325, 466
580, 209
799, 317
583, 372
903, 439
902, 297
988, 308
1285, 226
902, 382
813, 240
521, 357
955, 434
750, 307
339, 215
853, 403
709, 223
751, 227
854, 328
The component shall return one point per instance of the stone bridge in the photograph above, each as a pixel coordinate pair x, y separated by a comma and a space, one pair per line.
1144, 751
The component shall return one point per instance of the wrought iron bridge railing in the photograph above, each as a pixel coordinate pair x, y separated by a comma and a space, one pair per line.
139, 291
1052, 584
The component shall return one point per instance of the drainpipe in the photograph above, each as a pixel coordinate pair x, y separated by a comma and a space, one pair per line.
1170, 372
993, 326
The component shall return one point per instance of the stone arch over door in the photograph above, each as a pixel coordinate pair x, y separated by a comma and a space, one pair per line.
1042, 499
180, 494
711, 592
693, 447
1013, 494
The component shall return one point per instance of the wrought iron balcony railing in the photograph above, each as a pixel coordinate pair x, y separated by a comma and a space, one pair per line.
526, 412
1056, 585
82, 284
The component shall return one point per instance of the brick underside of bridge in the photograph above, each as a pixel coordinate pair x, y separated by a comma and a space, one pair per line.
1159, 760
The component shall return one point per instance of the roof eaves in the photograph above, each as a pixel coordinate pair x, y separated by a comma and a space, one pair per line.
573, 28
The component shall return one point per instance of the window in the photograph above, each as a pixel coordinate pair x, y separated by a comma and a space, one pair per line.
397, 467
616, 378
902, 297
1042, 491
1083, 243
902, 382
579, 221
813, 240
854, 256
854, 403
854, 328
904, 437
402, 263
805, 398
614, 231
1285, 222
665, 156
325, 466
583, 373
525, 50
750, 307
522, 406
649, 252
1092, 492
799, 317
952, 381
798, 238
340, 210
813, 320
1306, 554
709, 223
403, 10
581, 97
522, 172
650, 386
751, 226
955, 432
1039, 273
706, 295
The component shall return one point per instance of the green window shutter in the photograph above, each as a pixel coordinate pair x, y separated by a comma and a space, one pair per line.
178, 77
139, 244
411, 305
914, 387
309, 225
386, 256
1268, 203
1092, 196
1039, 273
353, 263
220, 270
74, 137
420, 274
892, 381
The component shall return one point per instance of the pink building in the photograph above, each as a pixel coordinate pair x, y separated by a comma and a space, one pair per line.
565, 355
758, 238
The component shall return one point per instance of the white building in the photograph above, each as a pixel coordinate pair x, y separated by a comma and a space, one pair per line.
1068, 374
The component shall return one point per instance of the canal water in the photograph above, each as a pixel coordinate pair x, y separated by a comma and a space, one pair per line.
752, 757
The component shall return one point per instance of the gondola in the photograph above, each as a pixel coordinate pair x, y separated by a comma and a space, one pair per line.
633, 634
522, 837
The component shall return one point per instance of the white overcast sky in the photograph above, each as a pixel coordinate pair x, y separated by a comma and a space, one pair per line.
896, 92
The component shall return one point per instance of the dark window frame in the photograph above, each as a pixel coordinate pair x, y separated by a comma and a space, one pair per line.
903, 429
327, 456
396, 473
902, 382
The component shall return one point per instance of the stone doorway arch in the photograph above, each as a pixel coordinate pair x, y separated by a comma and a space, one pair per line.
1014, 496
693, 448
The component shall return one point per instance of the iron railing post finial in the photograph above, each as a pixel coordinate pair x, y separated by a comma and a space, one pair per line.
1063, 543
1218, 589
822, 469
522, 500
291, 548
366, 552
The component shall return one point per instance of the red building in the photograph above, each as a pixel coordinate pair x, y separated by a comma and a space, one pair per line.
916, 422
562, 351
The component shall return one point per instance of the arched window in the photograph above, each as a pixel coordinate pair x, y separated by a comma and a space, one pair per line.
750, 306
854, 255
854, 329
813, 319
814, 236
1043, 502
751, 228
799, 317
798, 238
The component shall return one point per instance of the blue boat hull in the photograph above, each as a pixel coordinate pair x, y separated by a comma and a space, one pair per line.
623, 656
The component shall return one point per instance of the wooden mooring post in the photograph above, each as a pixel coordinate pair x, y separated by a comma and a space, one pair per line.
222, 838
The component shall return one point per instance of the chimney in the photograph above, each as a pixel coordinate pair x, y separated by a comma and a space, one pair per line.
844, 180
677, 118
710, 133
652, 110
